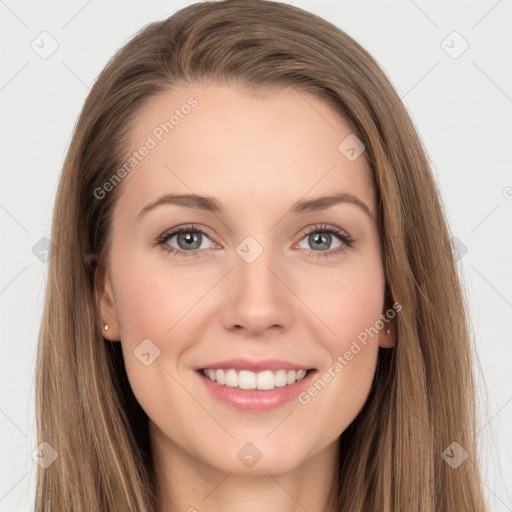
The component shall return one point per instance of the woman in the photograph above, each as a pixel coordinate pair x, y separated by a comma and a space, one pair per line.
252, 302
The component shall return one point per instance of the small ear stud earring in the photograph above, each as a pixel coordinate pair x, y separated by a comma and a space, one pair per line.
106, 327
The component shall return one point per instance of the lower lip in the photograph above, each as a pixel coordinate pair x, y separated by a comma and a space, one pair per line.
256, 399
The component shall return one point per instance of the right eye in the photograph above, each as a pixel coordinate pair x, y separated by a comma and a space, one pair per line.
188, 238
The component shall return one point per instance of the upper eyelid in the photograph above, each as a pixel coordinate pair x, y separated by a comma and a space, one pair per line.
186, 228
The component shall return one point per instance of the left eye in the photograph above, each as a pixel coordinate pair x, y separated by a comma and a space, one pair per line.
321, 240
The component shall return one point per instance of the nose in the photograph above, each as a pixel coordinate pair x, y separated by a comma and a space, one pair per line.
257, 296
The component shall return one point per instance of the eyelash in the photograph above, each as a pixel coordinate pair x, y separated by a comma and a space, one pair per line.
346, 239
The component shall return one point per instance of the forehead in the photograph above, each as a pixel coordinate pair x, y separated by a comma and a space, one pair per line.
246, 148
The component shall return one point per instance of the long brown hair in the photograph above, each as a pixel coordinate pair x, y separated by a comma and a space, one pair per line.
423, 397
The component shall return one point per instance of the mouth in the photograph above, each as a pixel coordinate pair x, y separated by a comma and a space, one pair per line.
265, 380
256, 390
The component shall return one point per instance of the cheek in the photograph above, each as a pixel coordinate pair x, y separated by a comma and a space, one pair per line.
152, 306
150, 302
147, 309
350, 305
348, 301
360, 305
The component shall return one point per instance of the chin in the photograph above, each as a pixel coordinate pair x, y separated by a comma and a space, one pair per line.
250, 459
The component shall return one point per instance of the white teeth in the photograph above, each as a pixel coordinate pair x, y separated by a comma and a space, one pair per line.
280, 378
246, 379
301, 374
231, 379
265, 380
290, 378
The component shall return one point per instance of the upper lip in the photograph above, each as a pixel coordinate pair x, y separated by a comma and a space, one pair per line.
242, 363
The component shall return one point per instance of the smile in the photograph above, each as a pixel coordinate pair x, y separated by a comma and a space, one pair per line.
255, 391
246, 379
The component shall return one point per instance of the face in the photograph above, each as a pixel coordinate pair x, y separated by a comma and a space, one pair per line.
253, 277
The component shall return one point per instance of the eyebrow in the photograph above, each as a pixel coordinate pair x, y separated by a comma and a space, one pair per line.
212, 205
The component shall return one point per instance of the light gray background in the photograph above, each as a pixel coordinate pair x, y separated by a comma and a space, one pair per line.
461, 107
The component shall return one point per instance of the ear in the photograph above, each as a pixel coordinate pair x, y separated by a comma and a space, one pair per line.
387, 335
108, 312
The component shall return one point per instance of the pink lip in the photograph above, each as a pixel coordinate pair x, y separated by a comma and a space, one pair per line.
242, 363
256, 400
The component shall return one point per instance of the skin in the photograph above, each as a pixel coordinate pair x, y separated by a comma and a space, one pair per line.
257, 154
